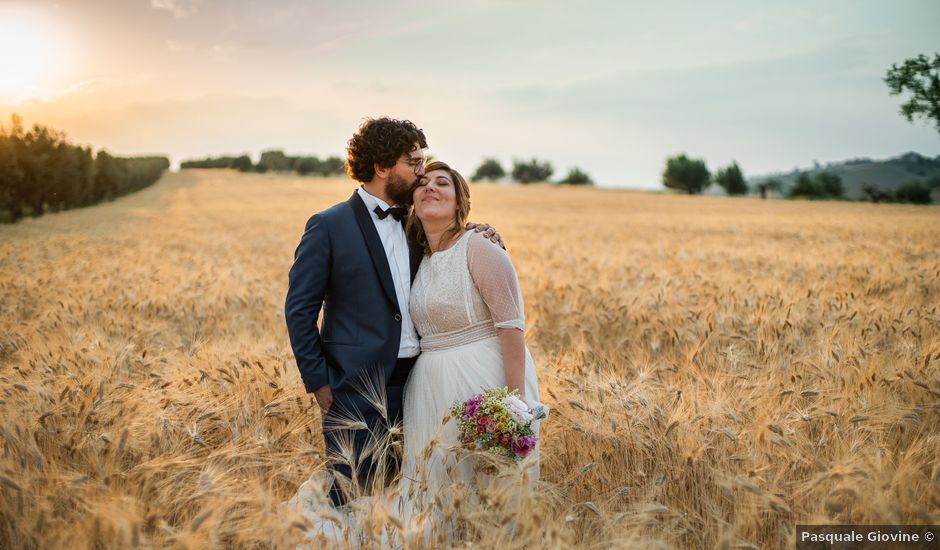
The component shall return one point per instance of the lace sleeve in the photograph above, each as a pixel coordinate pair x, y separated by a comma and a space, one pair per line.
494, 276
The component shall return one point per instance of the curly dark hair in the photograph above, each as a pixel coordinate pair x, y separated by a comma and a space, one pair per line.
380, 141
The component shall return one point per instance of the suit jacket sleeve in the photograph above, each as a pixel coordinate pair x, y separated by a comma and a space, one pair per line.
307, 283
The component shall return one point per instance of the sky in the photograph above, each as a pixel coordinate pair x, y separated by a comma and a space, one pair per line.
611, 87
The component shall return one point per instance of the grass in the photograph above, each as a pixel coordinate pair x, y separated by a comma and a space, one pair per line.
719, 369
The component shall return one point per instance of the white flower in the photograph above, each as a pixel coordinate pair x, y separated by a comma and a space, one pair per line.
520, 412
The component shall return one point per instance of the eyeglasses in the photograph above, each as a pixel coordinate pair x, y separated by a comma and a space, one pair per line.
415, 163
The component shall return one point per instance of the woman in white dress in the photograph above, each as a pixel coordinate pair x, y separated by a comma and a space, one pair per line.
467, 307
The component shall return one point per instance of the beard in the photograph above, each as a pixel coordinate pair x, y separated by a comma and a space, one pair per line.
399, 189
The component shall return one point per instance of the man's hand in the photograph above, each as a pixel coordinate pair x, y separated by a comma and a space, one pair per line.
324, 398
488, 231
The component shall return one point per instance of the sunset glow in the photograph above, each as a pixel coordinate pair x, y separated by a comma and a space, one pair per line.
26, 54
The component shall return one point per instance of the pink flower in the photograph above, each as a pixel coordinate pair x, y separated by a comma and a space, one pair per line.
523, 445
470, 408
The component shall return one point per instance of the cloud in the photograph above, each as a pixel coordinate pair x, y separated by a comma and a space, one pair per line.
224, 49
706, 95
95, 86
179, 8
177, 46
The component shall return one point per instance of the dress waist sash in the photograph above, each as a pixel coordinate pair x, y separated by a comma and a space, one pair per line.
466, 335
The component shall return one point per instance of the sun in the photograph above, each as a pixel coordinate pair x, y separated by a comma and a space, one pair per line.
25, 53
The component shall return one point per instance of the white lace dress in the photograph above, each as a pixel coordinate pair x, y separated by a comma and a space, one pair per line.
459, 298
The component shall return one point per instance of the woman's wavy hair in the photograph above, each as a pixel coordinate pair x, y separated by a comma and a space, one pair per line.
461, 190
380, 141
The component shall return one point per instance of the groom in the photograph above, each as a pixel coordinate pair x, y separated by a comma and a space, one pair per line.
355, 262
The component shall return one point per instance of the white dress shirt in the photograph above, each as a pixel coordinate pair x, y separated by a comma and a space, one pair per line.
393, 239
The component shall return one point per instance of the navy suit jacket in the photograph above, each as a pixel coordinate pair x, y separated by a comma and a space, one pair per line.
341, 267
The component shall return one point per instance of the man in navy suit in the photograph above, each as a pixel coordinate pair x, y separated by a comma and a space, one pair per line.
355, 262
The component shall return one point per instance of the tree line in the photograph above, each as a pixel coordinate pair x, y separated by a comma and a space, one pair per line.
528, 171
691, 176
523, 171
41, 171
273, 161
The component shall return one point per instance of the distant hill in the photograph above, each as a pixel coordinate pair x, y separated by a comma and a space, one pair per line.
887, 175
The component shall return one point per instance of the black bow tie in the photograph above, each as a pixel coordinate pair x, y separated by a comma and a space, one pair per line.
396, 212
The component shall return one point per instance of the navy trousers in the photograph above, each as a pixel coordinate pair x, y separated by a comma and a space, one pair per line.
337, 438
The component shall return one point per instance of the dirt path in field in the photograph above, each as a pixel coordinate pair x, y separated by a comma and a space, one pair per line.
104, 218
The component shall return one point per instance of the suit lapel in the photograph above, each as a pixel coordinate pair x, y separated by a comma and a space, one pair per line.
374, 244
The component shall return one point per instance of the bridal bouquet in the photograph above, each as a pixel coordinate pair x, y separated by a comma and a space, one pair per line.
499, 422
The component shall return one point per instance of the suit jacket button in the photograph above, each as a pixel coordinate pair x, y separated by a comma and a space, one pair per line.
398, 317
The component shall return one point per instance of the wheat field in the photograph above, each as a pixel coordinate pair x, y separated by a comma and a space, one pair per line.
719, 369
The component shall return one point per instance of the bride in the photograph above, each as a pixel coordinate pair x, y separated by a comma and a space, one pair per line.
468, 310
467, 307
